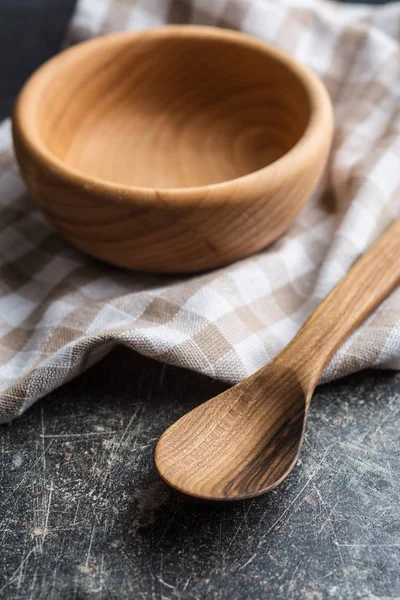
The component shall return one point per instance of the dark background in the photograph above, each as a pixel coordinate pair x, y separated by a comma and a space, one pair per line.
84, 516
30, 32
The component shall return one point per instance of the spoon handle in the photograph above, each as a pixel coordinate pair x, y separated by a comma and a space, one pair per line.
372, 277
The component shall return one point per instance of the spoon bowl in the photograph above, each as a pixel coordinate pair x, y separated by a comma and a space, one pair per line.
177, 149
239, 444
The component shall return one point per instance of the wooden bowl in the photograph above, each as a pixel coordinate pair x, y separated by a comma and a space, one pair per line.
173, 150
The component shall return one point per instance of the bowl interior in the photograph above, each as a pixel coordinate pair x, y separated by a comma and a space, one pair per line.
171, 111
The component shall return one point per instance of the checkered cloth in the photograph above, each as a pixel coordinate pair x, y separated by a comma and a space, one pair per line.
61, 311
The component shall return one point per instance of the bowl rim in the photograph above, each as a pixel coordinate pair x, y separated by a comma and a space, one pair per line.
320, 122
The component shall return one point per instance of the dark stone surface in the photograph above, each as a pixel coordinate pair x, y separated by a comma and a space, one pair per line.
84, 514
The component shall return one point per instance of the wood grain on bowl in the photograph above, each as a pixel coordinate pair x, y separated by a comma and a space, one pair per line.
176, 149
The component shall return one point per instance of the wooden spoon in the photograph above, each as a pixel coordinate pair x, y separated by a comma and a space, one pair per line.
245, 441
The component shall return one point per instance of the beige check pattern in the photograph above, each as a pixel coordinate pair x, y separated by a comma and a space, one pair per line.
61, 311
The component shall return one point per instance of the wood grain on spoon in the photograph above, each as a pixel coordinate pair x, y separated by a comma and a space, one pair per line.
245, 441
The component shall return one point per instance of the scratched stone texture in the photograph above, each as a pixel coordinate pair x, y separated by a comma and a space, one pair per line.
84, 516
